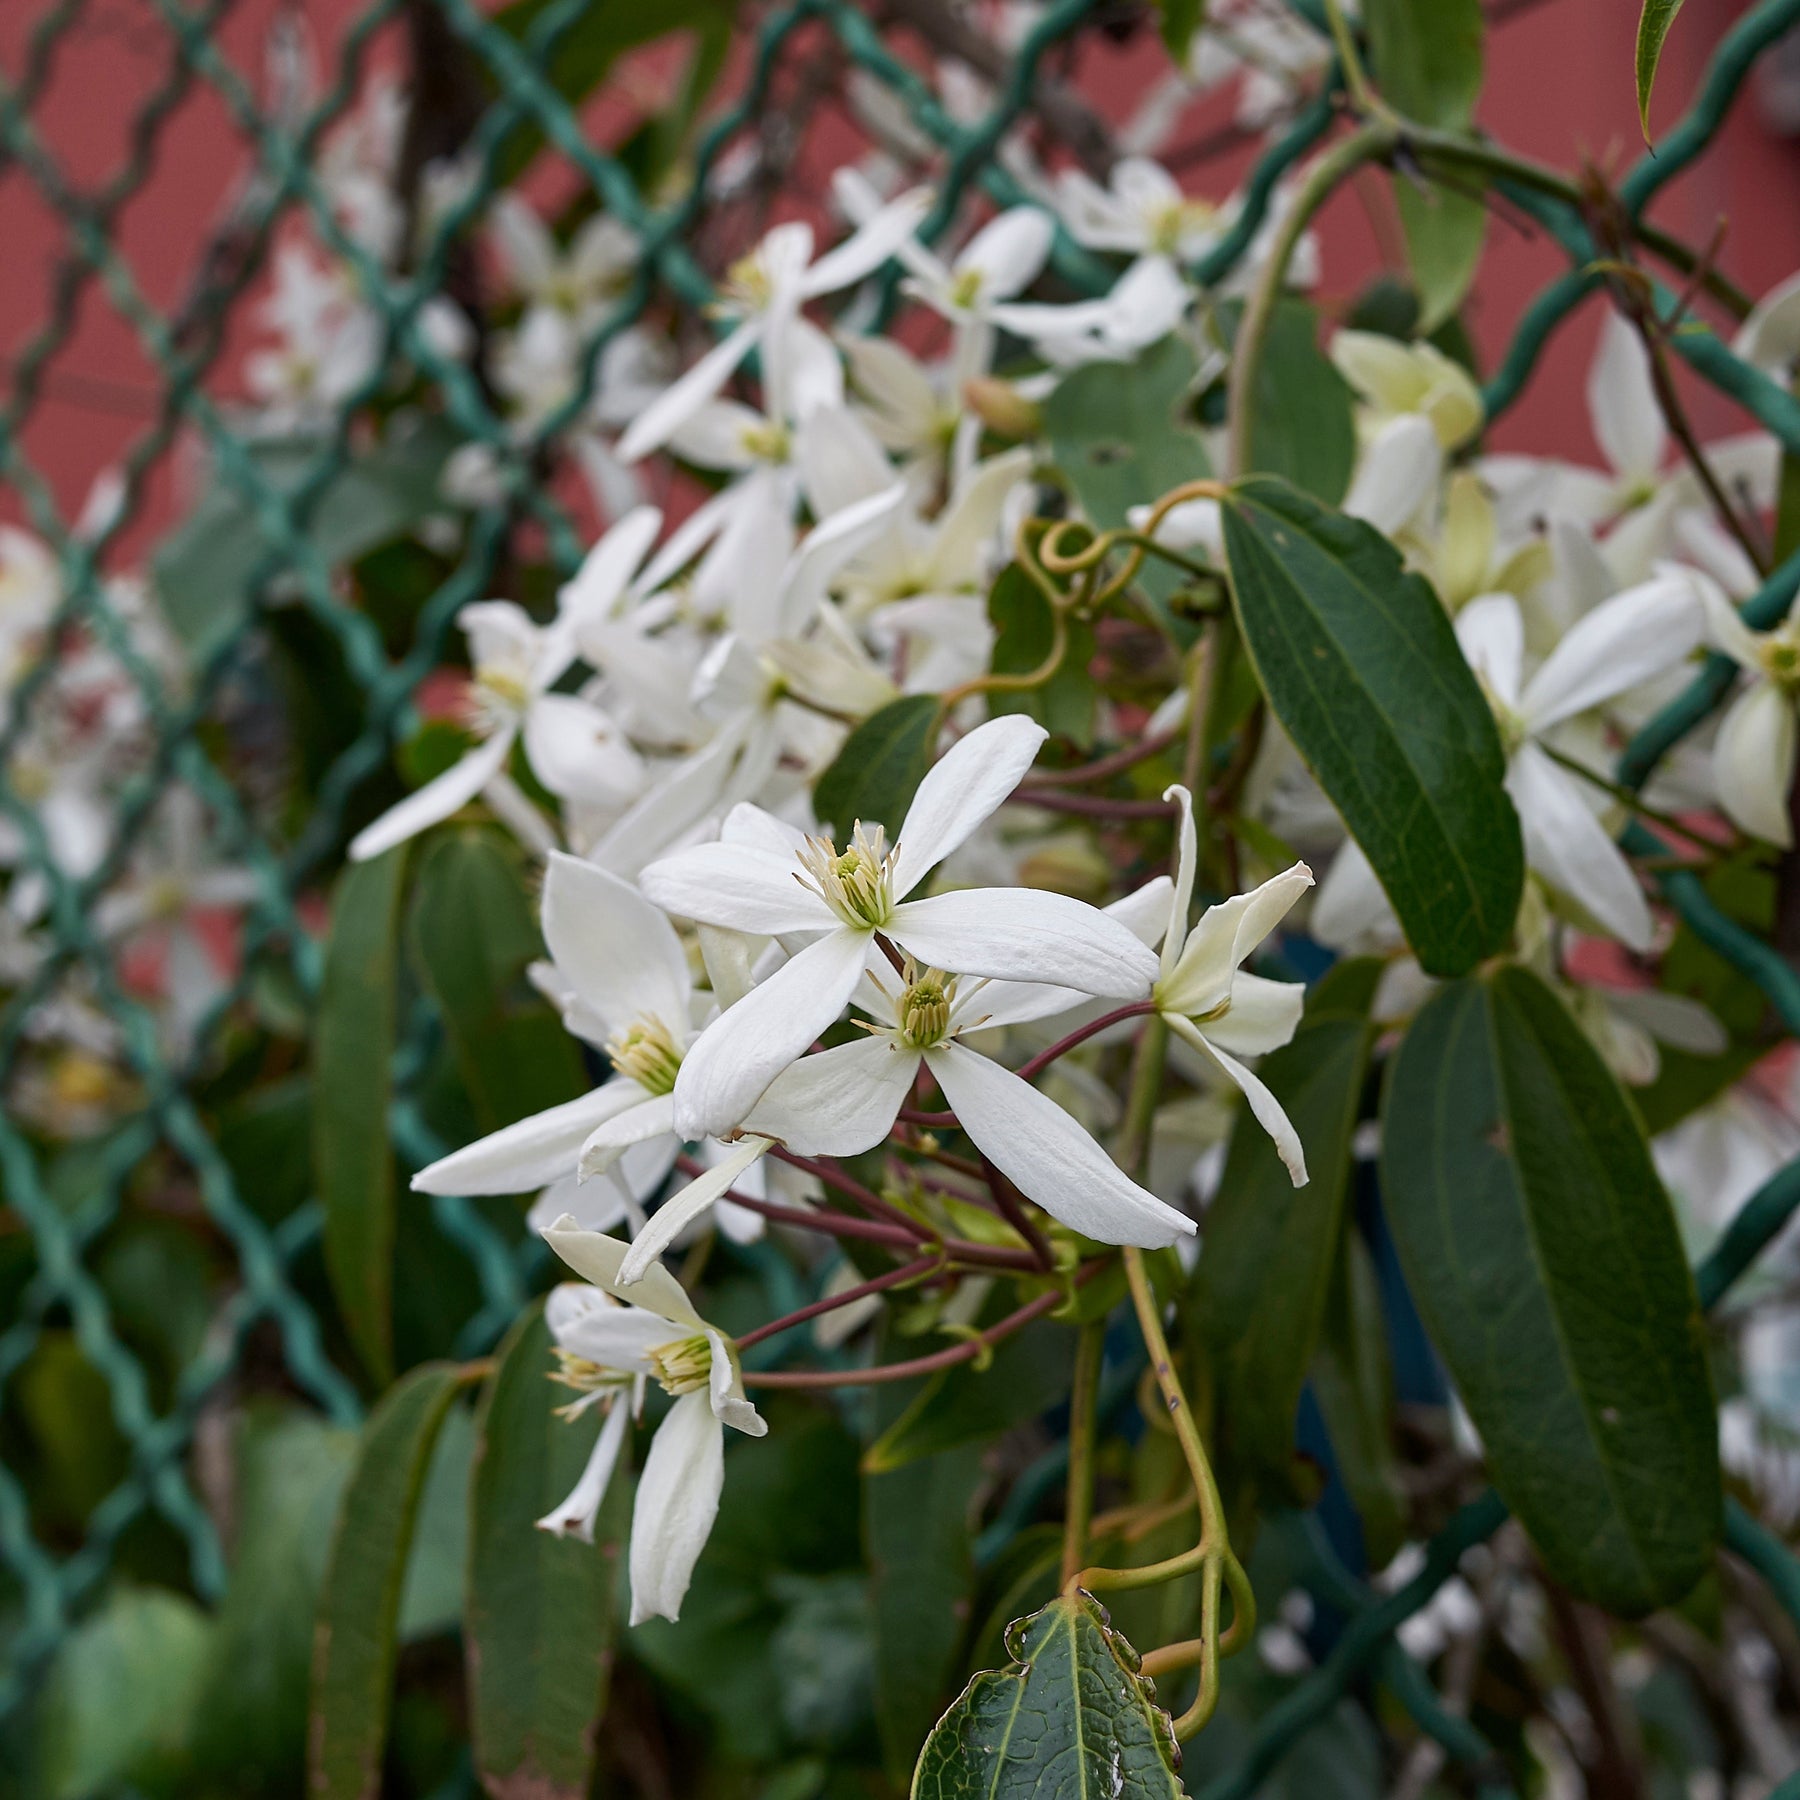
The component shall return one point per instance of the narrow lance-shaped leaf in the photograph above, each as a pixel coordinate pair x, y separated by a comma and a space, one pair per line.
353, 1048
354, 1640
1259, 1293
1426, 56
878, 770
1545, 1261
539, 1628
1071, 1719
1362, 668
1653, 27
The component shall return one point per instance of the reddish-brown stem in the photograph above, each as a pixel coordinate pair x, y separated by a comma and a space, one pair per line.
929, 1121
1105, 767
874, 1285
1012, 1206
1081, 1034
1092, 806
822, 1169
966, 1351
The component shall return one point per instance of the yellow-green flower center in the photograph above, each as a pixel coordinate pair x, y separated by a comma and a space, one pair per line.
647, 1053
1779, 653
925, 1008
965, 288
684, 1366
856, 882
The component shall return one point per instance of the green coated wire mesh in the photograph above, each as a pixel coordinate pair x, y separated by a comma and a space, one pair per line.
517, 61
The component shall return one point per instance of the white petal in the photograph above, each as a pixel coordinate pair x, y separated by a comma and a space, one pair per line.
1025, 934
616, 950
1225, 936
967, 525
1770, 337
1264, 1107
878, 237
436, 800
1491, 631
641, 1124
1009, 251
1181, 898
677, 1501
1398, 473
597, 1258
675, 405
961, 790
736, 1057
1753, 762
608, 567
1570, 848
1048, 1156
839, 460
575, 1517
1622, 402
578, 753
1351, 903
1727, 630
1673, 1019
840, 1102
828, 547
680, 1210
530, 1153
1263, 1015
743, 887
1622, 643
725, 1389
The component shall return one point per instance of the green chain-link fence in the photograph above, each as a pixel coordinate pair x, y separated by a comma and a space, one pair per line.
516, 54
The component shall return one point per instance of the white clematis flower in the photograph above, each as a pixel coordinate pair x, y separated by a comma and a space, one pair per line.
657, 1334
841, 899
628, 991
1754, 754
843, 1101
574, 748
1210, 1003
1621, 644
1395, 379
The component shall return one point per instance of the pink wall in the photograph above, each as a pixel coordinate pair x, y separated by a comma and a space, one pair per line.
1559, 89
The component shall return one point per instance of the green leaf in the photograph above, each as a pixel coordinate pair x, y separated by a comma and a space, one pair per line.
1653, 27
916, 1523
1071, 1719
206, 570
1546, 1264
1114, 431
1303, 424
121, 1699
472, 930
1362, 668
1180, 20
1353, 1381
877, 772
539, 1630
1028, 1372
1258, 1295
1024, 630
354, 1643
353, 1048
1426, 56
1445, 233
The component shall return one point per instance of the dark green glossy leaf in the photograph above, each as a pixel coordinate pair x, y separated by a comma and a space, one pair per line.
354, 1643
1445, 232
1115, 434
1024, 633
472, 930
205, 572
1029, 1371
1546, 1264
917, 1526
1071, 1719
1353, 1381
1427, 57
1303, 426
1653, 27
1362, 668
539, 1630
877, 772
353, 1047
1258, 1295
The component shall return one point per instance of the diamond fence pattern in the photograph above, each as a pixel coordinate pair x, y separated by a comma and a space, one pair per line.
186, 348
